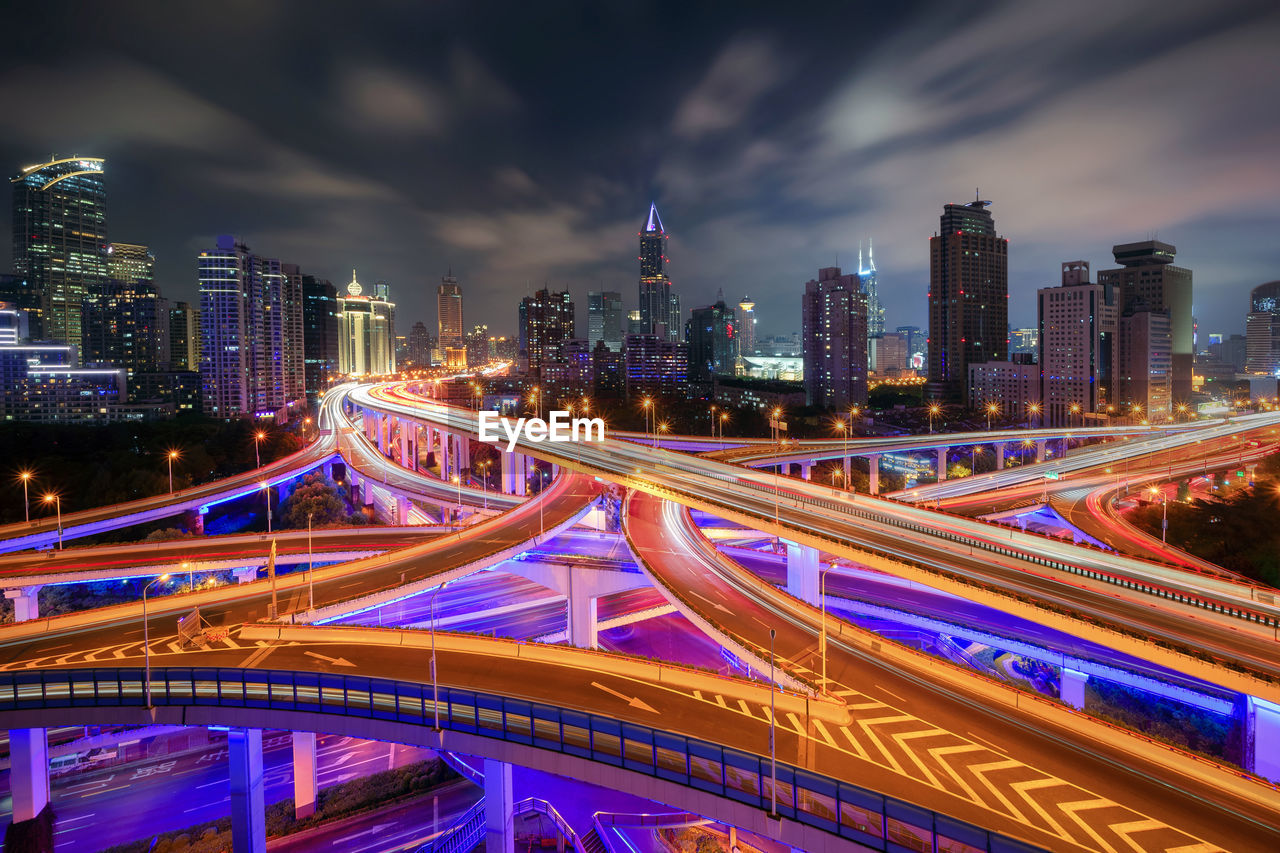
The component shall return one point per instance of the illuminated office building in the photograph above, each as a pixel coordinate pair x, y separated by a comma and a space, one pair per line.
449, 314
605, 319
130, 263
659, 304
870, 286
1262, 330
319, 333
546, 324
710, 334
834, 335
366, 332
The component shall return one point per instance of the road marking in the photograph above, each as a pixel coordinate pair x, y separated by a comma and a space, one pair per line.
258, 656
327, 659
891, 693
986, 742
714, 604
633, 701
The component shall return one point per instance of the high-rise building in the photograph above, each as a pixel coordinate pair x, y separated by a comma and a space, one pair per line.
659, 304
888, 353
608, 372
546, 323
1077, 339
125, 324
870, 286
655, 366
1025, 341
916, 341
319, 332
968, 298
478, 353
834, 335
60, 240
746, 328
248, 304
420, 345
184, 337
1144, 366
449, 313
711, 335
17, 292
604, 319
635, 323
366, 332
1008, 385
1147, 280
1262, 330
131, 263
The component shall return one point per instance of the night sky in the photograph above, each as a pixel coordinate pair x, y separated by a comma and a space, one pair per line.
521, 143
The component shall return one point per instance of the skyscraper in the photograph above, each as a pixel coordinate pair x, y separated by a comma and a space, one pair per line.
184, 337
420, 345
546, 323
478, 345
1147, 280
449, 313
834, 335
248, 304
366, 331
60, 240
1144, 366
746, 327
604, 319
659, 304
968, 298
130, 263
711, 335
1077, 340
1262, 330
125, 324
870, 283
319, 332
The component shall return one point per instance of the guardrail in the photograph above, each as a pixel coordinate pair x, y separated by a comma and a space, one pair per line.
466, 832
822, 802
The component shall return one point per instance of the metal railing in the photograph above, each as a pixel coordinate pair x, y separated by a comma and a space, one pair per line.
467, 831
849, 811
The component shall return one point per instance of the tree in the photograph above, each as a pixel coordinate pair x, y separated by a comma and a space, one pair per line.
318, 497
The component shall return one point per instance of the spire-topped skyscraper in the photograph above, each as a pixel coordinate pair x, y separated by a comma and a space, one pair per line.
659, 305
867, 274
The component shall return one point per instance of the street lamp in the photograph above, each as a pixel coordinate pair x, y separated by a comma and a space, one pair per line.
56, 500
25, 476
663, 428
773, 752
934, 411
724, 416
1075, 410
191, 576
173, 454
713, 421
257, 442
1034, 410
457, 481
266, 488
1164, 515
484, 481
992, 409
435, 684
822, 605
311, 569
646, 404
146, 637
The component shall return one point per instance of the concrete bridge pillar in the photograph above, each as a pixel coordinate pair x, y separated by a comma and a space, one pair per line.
405, 446
806, 470
26, 602
513, 482
248, 815
193, 522
873, 473
28, 772
499, 819
942, 464
304, 774
999, 450
1041, 446
403, 507
583, 588
380, 427
1072, 688
1262, 737
802, 572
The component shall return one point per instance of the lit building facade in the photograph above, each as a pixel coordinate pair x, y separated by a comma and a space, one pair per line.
251, 354
1144, 382
1009, 385
126, 324
834, 340
605, 318
968, 298
319, 333
546, 324
712, 337
366, 332
656, 366
746, 328
60, 240
659, 304
449, 314
131, 263
870, 286
1262, 330
184, 337
479, 348
1077, 333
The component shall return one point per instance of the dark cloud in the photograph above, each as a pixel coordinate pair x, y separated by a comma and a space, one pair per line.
521, 144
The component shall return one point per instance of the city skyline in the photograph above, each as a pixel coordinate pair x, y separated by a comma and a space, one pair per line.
743, 216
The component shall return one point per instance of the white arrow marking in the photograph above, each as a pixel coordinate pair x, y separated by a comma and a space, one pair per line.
369, 831
334, 661
633, 701
342, 759
715, 604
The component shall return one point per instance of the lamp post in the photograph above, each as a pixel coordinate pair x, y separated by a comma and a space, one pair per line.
934, 411
1034, 410
773, 753
191, 576
457, 481
25, 477
257, 443
713, 421
484, 482
822, 605
1164, 514
663, 428
266, 489
311, 569
992, 409
646, 404
56, 500
1075, 410
173, 454
146, 644
435, 684
724, 416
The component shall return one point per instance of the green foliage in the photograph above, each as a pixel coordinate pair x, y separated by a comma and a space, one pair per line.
1172, 722
322, 499
167, 534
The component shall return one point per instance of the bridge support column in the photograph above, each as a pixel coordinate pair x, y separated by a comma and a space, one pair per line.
499, 819
873, 473
1072, 689
583, 589
1262, 737
405, 445
942, 464
806, 470
304, 774
248, 815
583, 628
403, 507
999, 449
28, 772
512, 473
26, 602
1041, 446
193, 522
802, 572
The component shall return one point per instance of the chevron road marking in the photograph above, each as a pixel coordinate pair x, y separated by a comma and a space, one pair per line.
1033, 784
980, 770
902, 739
1072, 810
822, 730
938, 752
1124, 830
865, 725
